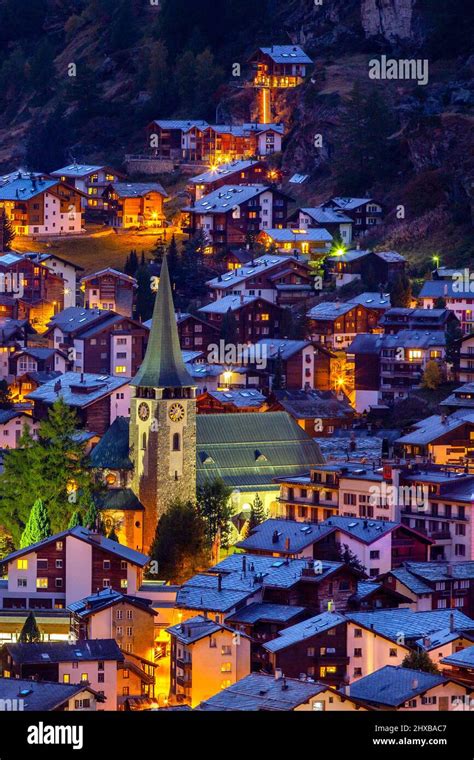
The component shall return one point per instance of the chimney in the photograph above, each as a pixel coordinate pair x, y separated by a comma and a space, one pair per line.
414, 683
244, 564
287, 544
278, 674
275, 537
451, 623
219, 582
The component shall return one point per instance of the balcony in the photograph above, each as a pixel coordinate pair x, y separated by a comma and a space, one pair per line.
184, 681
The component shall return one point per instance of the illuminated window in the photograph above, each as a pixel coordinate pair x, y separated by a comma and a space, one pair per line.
226, 667
41, 583
120, 370
66, 678
126, 691
84, 677
265, 317
126, 673
414, 354
22, 564
226, 684
226, 649
123, 583
59, 546
327, 670
111, 479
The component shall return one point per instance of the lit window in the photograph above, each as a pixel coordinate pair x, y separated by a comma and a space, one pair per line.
84, 677
226, 684
66, 678
226, 667
22, 564
265, 317
123, 583
126, 673
120, 370
41, 583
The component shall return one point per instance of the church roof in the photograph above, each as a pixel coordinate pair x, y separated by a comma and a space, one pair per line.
248, 451
163, 365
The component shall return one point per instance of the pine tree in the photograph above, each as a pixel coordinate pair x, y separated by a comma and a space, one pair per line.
52, 468
347, 556
145, 294
277, 382
214, 507
38, 526
453, 342
420, 660
92, 519
180, 547
6, 544
173, 260
257, 514
7, 233
76, 519
30, 633
400, 292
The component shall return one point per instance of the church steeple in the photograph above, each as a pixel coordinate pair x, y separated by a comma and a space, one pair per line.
163, 365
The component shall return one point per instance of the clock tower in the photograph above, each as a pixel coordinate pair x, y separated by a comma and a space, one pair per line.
162, 418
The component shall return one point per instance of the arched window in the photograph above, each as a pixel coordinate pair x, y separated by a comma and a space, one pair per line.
176, 442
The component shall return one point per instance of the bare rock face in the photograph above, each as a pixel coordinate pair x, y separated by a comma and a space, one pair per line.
392, 19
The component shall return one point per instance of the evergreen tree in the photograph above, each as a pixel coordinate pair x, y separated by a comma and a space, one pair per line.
453, 342
193, 271
76, 519
185, 79
52, 468
30, 633
145, 295
38, 526
439, 303
347, 556
131, 264
92, 519
277, 382
173, 260
208, 77
214, 507
7, 233
159, 78
420, 660
6, 544
257, 514
400, 292
180, 547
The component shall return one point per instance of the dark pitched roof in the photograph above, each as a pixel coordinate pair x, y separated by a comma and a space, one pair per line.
259, 691
118, 498
112, 451
263, 612
295, 634
414, 625
107, 598
40, 696
393, 686
462, 659
62, 651
163, 365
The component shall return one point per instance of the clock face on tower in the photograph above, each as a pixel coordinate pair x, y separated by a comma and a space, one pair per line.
143, 411
176, 412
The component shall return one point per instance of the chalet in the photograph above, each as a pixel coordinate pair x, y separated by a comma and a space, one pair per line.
332, 220
97, 399
319, 413
302, 364
229, 215
92, 663
466, 360
456, 298
245, 172
38, 206
364, 212
434, 320
12, 423
262, 692
336, 324
206, 657
440, 439
231, 401
111, 290
138, 205
31, 290
374, 543
310, 496
42, 696
14, 335
59, 266
402, 689
445, 643
98, 340
194, 141
436, 588
195, 334
316, 647
280, 66
262, 622
254, 317
111, 614
91, 180
37, 360
460, 398
22, 385
379, 267
314, 242
460, 666
283, 280
45, 575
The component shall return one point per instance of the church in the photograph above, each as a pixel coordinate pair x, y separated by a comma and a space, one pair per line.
165, 451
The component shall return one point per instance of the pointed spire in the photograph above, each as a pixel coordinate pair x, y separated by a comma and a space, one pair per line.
163, 365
